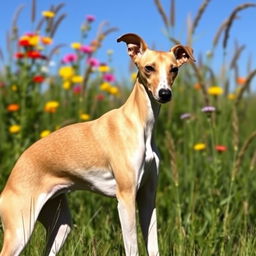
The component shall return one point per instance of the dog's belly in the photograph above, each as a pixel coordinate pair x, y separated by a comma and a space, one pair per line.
100, 181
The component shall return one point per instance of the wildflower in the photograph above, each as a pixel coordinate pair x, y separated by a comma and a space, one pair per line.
77, 89
104, 68
241, 80
13, 107
113, 90
197, 86
86, 49
44, 133
33, 40
48, 14
109, 78
185, 116
93, 62
221, 148
14, 128
215, 90
66, 85
85, 117
51, 106
208, 109
77, 79
90, 18
14, 88
133, 76
76, 45
105, 86
71, 57
19, 55
34, 55
24, 41
38, 79
46, 40
231, 96
100, 97
66, 72
199, 147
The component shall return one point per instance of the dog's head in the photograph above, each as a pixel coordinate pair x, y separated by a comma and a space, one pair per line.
157, 69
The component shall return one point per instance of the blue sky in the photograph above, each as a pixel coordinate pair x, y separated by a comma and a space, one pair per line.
141, 17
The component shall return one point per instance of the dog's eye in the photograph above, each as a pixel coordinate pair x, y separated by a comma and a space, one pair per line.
174, 70
149, 68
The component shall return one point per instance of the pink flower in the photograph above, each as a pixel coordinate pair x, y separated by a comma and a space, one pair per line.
86, 49
71, 57
93, 62
90, 18
109, 78
77, 89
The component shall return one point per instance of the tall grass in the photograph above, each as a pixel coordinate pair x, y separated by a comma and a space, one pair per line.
207, 182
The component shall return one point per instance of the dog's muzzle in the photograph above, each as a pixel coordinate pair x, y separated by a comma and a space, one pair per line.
165, 95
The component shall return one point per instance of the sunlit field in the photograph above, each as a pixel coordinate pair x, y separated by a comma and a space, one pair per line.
206, 136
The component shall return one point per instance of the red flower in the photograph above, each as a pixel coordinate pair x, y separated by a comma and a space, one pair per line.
100, 97
38, 79
77, 89
221, 148
34, 55
24, 42
19, 55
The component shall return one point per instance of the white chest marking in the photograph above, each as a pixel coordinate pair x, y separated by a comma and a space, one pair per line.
145, 154
101, 181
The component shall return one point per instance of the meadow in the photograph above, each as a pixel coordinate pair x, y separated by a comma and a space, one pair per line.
206, 137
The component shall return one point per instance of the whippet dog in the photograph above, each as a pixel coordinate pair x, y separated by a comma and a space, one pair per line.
114, 155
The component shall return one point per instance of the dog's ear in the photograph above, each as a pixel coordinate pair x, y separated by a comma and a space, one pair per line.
136, 45
183, 54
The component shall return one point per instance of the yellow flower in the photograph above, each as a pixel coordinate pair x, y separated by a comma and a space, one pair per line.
199, 146
76, 45
66, 85
66, 72
85, 117
48, 14
44, 133
51, 106
14, 88
46, 40
231, 96
113, 90
33, 40
133, 76
77, 79
215, 90
14, 128
105, 86
104, 68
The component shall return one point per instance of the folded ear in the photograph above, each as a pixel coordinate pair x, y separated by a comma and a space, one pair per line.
183, 54
135, 44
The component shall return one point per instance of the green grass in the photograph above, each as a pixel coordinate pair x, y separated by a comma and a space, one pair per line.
199, 211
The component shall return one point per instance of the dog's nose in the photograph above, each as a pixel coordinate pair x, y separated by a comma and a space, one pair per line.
165, 95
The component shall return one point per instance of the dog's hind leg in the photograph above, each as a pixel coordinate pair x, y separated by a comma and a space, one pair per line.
56, 218
18, 215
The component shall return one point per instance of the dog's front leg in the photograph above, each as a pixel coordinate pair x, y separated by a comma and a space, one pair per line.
147, 210
127, 216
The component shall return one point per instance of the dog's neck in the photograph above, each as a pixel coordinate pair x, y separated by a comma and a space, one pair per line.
141, 104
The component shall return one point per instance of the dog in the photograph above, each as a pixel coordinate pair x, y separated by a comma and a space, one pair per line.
114, 155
